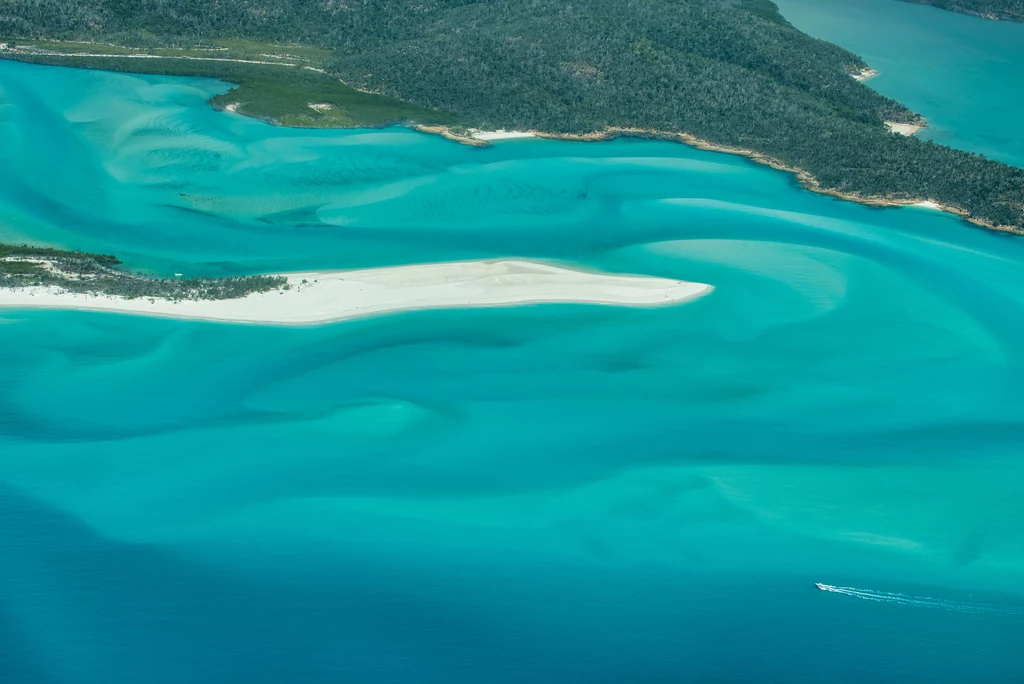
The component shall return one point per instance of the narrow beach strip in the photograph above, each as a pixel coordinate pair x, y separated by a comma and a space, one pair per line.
905, 128
325, 297
502, 135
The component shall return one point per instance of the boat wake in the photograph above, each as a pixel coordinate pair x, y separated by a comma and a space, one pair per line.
919, 601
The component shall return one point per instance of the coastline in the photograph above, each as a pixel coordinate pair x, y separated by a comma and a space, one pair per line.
321, 297
805, 178
864, 74
501, 134
906, 128
479, 138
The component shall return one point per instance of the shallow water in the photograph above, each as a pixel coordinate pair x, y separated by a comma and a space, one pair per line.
540, 493
964, 74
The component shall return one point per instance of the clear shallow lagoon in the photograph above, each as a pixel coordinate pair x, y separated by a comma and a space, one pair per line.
964, 74
543, 493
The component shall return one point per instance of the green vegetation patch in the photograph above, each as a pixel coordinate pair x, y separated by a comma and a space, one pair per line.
21, 268
27, 266
280, 94
766, 9
51, 253
300, 97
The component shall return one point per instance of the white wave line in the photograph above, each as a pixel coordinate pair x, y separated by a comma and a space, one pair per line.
919, 601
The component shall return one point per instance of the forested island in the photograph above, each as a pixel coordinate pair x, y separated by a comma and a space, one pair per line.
730, 73
1012, 10
100, 274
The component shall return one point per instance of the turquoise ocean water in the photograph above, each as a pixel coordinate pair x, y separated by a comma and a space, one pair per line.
964, 74
540, 493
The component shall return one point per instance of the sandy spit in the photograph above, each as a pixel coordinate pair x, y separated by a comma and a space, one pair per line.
324, 297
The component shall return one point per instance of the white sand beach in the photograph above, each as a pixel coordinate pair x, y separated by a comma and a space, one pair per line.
324, 297
501, 135
904, 128
865, 73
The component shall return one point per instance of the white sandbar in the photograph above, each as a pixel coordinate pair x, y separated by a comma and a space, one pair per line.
325, 297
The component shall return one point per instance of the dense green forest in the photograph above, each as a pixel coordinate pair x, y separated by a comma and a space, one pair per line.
26, 266
993, 9
732, 72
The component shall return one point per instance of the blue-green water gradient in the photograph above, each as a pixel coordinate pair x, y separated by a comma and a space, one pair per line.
964, 74
540, 493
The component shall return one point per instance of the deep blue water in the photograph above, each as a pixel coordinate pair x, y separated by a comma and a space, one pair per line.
539, 493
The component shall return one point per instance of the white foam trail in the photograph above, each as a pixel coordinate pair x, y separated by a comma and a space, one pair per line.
919, 601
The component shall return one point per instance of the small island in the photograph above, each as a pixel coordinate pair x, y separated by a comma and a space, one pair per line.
327, 296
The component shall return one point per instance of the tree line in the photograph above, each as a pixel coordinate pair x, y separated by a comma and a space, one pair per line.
732, 72
27, 266
1012, 10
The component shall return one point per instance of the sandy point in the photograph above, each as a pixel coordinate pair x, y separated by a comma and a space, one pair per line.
327, 296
